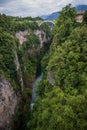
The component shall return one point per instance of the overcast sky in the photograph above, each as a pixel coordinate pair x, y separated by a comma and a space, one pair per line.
34, 7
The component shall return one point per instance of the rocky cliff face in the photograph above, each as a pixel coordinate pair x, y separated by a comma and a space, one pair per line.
8, 103
50, 78
42, 36
18, 69
21, 36
79, 16
8, 98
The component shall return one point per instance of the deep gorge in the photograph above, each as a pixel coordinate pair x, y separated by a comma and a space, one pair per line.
23, 45
43, 73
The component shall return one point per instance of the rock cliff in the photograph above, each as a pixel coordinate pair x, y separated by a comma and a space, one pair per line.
8, 103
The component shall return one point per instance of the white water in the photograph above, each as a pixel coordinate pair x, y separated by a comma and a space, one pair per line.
34, 89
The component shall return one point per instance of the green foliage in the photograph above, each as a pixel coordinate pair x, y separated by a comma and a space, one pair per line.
46, 29
85, 17
27, 18
68, 63
20, 62
63, 104
59, 110
5, 22
29, 70
63, 27
32, 42
7, 54
64, 23
68, 11
44, 62
24, 25
43, 87
29, 67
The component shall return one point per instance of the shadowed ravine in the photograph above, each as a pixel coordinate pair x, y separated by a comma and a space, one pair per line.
34, 89
34, 86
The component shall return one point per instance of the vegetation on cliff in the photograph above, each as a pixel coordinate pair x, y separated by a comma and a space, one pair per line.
62, 92
19, 62
61, 102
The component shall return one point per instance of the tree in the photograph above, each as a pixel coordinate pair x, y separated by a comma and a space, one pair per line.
68, 64
65, 22
85, 17
59, 110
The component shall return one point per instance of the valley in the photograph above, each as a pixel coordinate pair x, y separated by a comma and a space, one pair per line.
43, 72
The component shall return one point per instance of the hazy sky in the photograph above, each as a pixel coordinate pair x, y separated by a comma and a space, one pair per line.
34, 7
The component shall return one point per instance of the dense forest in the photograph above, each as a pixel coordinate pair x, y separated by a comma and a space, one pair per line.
61, 102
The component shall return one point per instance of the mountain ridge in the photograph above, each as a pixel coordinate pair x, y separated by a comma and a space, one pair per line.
54, 15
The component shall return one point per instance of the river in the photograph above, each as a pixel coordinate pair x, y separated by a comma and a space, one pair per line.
34, 89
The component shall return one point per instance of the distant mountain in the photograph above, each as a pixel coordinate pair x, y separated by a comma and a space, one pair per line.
54, 15
51, 16
44, 16
81, 8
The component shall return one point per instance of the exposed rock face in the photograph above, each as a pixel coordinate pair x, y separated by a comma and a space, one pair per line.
42, 37
21, 35
8, 103
79, 17
50, 78
18, 69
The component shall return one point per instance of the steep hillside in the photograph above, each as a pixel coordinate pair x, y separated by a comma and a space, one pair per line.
62, 92
22, 46
43, 73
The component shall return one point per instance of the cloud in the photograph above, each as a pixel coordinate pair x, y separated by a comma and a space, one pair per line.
34, 7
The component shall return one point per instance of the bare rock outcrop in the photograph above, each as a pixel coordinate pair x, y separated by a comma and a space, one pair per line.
79, 16
42, 37
8, 103
21, 36
18, 69
50, 78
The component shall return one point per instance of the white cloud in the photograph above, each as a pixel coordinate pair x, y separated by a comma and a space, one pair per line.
34, 7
